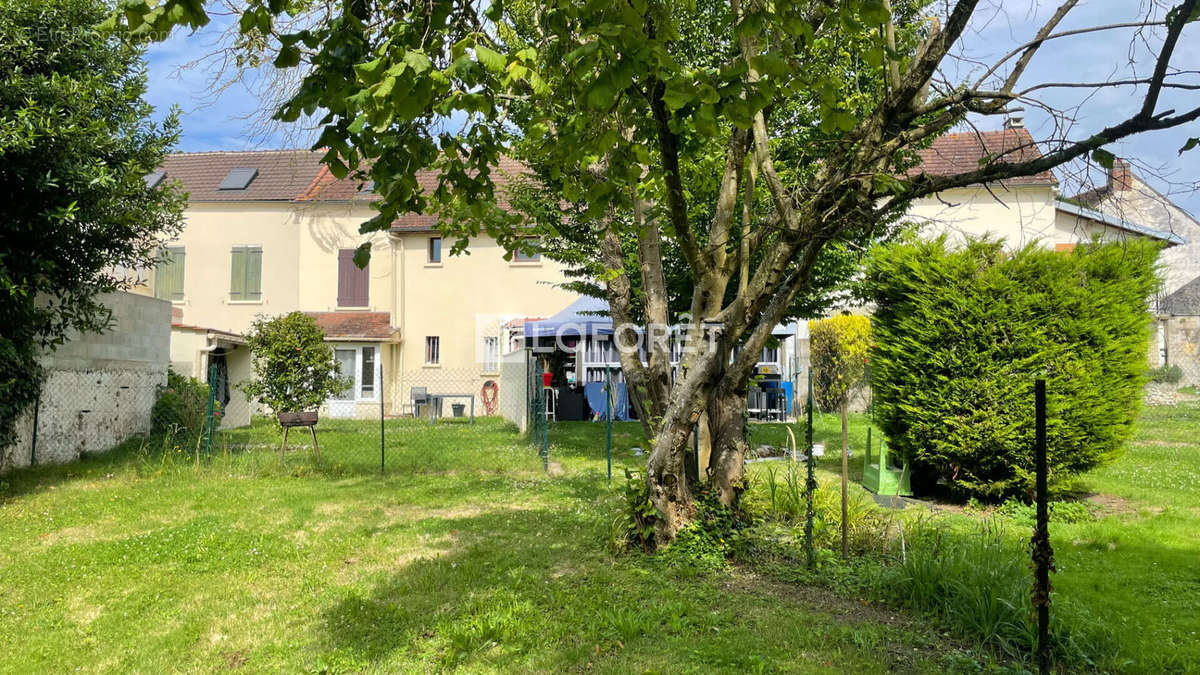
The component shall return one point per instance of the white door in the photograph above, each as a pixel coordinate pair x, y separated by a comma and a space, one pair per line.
343, 404
362, 366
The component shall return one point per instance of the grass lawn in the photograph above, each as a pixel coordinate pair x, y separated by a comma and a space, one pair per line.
466, 555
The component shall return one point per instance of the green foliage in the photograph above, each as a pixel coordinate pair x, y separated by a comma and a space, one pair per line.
182, 406
706, 543
75, 143
1025, 515
634, 527
961, 335
1165, 374
976, 584
780, 497
294, 368
838, 351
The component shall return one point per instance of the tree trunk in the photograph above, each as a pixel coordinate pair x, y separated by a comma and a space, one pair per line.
727, 422
845, 483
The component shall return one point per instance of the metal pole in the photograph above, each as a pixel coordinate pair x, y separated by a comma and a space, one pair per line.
810, 483
37, 407
1043, 554
381, 429
608, 419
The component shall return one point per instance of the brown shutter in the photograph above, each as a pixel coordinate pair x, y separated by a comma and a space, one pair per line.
352, 282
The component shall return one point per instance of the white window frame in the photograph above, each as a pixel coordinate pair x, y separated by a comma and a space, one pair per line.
437, 349
358, 365
491, 356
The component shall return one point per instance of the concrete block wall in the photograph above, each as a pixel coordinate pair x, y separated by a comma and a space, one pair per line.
99, 388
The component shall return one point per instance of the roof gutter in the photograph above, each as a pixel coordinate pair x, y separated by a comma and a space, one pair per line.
1121, 224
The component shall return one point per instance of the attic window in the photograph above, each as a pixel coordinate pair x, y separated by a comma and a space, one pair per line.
153, 179
238, 179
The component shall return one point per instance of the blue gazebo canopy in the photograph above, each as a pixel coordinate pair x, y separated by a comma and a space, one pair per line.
585, 316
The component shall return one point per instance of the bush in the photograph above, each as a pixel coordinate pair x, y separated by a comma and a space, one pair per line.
961, 335
838, 349
294, 369
182, 406
1165, 374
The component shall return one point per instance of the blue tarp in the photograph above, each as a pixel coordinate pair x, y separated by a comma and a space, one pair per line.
585, 316
598, 401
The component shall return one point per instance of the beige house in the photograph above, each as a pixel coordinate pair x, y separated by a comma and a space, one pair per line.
1020, 210
272, 232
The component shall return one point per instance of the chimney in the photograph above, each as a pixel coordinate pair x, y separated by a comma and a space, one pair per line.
1014, 122
1120, 178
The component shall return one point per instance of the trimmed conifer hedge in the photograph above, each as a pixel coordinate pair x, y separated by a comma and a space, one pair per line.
961, 333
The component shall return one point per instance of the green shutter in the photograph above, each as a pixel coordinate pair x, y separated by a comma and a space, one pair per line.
254, 274
168, 276
237, 274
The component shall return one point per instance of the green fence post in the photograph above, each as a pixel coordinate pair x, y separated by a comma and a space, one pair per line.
608, 422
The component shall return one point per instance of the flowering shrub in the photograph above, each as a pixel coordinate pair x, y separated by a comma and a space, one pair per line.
293, 366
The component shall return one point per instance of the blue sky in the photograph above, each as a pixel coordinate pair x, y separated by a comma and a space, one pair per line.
219, 121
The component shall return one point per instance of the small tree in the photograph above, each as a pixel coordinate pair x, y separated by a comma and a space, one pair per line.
76, 142
294, 369
838, 349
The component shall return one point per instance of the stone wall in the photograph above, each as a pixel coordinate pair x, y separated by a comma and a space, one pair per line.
99, 388
1183, 347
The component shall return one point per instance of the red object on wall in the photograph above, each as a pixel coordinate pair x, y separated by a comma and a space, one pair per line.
546, 378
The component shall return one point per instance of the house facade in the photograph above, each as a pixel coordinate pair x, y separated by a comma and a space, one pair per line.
267, 233
271, 232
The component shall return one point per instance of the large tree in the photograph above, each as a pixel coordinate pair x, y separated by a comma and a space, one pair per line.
657, 124
75, 146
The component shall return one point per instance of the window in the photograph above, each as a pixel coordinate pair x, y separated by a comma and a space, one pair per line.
353, 283
491, 354
238, 179
367, 387
528, 255
345, 360
168, 276
433, 349
770, 355
435, 250
245, 276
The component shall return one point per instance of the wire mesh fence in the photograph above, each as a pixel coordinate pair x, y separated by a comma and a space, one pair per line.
83, 411
422, 420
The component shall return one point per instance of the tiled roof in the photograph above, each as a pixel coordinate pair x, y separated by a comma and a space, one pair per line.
373, 326
282, 174
962, 152
298, 175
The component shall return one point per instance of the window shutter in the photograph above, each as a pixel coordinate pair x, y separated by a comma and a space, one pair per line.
352, 281
237, 275
254, 274
168, 277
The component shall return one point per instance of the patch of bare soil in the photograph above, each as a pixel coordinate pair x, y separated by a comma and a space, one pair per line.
1112, 505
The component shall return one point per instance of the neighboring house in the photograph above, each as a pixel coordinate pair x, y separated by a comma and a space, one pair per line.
1127, 196
1178, 334
1018, 210
273, 232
